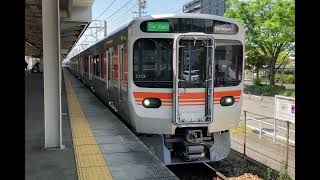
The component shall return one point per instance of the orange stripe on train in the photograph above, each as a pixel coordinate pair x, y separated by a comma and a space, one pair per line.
189, 96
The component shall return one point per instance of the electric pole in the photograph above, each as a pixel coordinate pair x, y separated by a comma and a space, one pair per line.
142, 6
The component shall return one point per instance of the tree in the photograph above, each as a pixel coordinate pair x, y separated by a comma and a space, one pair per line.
270, 28
255, 61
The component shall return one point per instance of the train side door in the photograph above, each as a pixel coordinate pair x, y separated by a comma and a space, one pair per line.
107, 72
120, 73
112, 77
81, 66
90, 67
193, 79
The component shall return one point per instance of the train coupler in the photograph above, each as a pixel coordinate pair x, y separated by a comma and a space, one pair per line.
194, 152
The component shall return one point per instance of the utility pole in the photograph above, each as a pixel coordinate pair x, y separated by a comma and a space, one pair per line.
142, 6
105, 28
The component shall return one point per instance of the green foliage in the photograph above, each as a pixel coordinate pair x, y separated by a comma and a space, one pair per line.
283, 174
289, 93
257, 82
270, 30
289, 78
263, 89
277, 77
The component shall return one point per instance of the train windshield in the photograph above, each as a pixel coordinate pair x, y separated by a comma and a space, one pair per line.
228, 63
152, 62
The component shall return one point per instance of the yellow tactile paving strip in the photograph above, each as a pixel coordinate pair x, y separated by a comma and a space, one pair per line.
89, 159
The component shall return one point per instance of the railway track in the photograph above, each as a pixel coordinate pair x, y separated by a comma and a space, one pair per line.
218, 175
196, 171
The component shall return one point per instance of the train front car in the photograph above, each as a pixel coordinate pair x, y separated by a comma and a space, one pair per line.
186, 84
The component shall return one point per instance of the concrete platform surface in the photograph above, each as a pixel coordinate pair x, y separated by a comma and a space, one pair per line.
39, 163
126, 157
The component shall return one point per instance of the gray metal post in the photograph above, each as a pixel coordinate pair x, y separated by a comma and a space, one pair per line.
260, 132
105, 28
52, 73
274, 129
287, 148
245, 132
140, 7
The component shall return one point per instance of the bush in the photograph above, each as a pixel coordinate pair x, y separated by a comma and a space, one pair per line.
263, 89
283, 173
257, 82
289, 93
289, 79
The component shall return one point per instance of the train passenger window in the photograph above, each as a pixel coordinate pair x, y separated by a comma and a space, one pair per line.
152, 62
228, 63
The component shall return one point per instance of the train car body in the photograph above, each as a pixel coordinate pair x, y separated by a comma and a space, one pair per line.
176, 78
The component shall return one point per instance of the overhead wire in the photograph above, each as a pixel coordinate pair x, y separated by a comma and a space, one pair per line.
106, 9
117, 22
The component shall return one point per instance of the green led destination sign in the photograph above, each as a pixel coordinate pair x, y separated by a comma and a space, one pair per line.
158, 26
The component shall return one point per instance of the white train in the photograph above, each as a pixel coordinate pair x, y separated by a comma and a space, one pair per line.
177, 78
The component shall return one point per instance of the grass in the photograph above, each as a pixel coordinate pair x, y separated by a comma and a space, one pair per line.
240, 129
289, 93
236, 166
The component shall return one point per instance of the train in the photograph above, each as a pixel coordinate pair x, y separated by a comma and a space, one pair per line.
175, 79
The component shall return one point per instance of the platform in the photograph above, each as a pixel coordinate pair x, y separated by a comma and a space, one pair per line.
101, 146
41, 163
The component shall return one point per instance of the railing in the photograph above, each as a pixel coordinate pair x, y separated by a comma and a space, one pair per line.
274, 125
275, 136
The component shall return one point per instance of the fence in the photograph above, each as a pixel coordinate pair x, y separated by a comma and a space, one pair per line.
266, 147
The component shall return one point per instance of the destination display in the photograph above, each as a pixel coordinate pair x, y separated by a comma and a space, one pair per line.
184, 25
158, 26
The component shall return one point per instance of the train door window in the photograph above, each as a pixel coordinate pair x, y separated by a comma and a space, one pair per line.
102, 69
192, 63
94, 61
228, 63
122, 65
115, 68
110, 60
125, 64
98, 65
92, 65
89, 65
85, 64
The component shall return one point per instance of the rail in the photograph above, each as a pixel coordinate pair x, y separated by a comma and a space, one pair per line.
217, 174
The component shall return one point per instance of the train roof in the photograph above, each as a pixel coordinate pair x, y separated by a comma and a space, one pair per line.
166, 16
185, 15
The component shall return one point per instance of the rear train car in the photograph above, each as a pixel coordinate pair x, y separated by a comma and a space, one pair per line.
176, 79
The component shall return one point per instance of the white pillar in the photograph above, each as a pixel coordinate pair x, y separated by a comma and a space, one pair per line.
52, 73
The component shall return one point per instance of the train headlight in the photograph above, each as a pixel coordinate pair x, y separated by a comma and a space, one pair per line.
151, 102
227, 100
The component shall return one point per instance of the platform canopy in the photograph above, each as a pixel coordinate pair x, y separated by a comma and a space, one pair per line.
75, 16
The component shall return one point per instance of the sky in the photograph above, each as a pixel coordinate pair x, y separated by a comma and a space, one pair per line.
119, 12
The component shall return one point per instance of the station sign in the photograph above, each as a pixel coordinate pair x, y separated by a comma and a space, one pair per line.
285, 108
